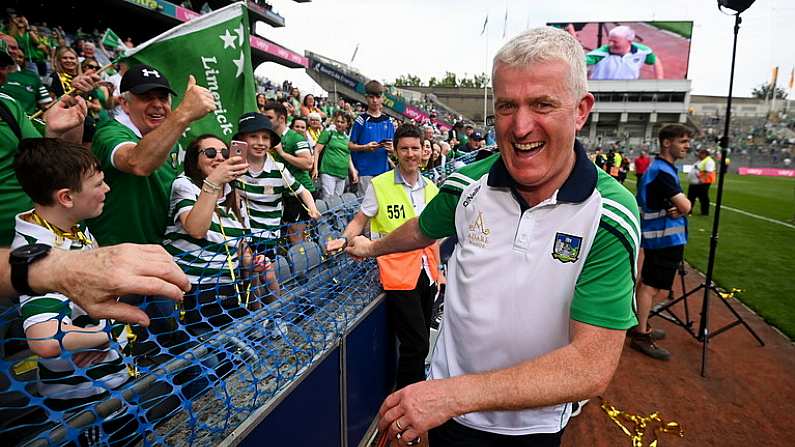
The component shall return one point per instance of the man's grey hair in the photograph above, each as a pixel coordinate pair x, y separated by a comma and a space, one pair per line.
314, 116
545, 44
624, 32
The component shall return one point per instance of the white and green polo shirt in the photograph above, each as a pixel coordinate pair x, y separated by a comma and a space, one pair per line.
520, 274
262, 194
609, 66
57, 376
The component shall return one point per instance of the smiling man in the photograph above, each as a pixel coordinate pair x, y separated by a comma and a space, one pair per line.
622, 57
409, 278
139, 155
540, 285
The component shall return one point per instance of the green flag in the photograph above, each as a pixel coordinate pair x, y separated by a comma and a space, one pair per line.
215, 49
111, 40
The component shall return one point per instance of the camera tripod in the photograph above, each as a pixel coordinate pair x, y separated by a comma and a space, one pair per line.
703, 334
663, 309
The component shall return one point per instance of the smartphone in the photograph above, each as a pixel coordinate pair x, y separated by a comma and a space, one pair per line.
239, 149
385, 141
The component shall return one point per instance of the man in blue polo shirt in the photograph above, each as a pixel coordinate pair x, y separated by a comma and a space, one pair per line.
371, 137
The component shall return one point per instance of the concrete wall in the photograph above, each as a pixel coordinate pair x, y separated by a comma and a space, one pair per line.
466, 101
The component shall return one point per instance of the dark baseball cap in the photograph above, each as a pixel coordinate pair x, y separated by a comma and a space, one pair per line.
142, 78
476, 136
255, 122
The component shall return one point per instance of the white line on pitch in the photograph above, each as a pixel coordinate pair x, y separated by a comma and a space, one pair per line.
756, 216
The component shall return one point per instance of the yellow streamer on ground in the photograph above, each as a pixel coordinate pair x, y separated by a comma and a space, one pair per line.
730, 294
636, 426
26, 365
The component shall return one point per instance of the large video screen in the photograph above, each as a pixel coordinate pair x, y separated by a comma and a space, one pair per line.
633, 50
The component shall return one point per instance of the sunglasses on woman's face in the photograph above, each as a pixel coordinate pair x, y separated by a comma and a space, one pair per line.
211, 152
91, 67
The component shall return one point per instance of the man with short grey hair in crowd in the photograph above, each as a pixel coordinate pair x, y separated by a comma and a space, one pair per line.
540, 285
622, 57
427, 132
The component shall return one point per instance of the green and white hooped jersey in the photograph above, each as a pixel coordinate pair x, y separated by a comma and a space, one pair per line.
57, 376
608, 66
204, 261
519, 275
262, 193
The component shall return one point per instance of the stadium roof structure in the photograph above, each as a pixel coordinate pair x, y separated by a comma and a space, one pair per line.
143, 19
258, 11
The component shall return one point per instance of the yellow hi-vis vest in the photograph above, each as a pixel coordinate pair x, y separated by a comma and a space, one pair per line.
706, 177
400, 271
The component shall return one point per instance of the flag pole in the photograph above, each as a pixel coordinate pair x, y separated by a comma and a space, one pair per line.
71, 90
485, 83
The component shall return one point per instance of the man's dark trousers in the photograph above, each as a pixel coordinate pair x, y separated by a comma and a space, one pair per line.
700, 192
409, 314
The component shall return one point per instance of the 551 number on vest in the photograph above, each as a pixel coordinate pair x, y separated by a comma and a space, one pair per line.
396, 211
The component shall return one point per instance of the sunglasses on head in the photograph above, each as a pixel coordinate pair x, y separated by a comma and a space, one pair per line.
211, 152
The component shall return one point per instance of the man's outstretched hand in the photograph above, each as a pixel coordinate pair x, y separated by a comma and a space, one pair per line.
360, 248
95, 279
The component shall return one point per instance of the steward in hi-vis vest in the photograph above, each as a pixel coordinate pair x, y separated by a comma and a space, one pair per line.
663, 222
400, 271
702, 175
409, 278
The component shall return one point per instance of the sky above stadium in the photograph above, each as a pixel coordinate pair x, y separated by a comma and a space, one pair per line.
428, 37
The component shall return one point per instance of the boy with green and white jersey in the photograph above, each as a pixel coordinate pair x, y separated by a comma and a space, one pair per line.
59, 331
266, 183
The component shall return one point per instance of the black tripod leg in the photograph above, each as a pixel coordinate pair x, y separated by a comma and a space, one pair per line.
739, 320
704, 343
682, 274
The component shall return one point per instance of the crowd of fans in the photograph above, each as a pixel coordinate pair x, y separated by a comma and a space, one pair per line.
225, 209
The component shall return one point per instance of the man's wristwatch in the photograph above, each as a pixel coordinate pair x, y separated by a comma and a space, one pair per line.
20, 259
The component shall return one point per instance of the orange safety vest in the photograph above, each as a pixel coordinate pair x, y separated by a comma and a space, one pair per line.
706, 177
400, 271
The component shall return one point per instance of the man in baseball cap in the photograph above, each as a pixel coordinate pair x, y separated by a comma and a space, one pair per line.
473, 144
142, 78
140, 156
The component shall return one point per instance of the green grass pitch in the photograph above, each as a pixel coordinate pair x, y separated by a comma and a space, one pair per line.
753, 254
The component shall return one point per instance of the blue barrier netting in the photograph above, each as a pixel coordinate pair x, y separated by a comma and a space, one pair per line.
241, 336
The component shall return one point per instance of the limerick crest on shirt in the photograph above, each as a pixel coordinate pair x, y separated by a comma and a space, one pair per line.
566, 247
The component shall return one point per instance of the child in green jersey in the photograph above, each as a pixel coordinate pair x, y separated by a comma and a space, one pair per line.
80, 358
